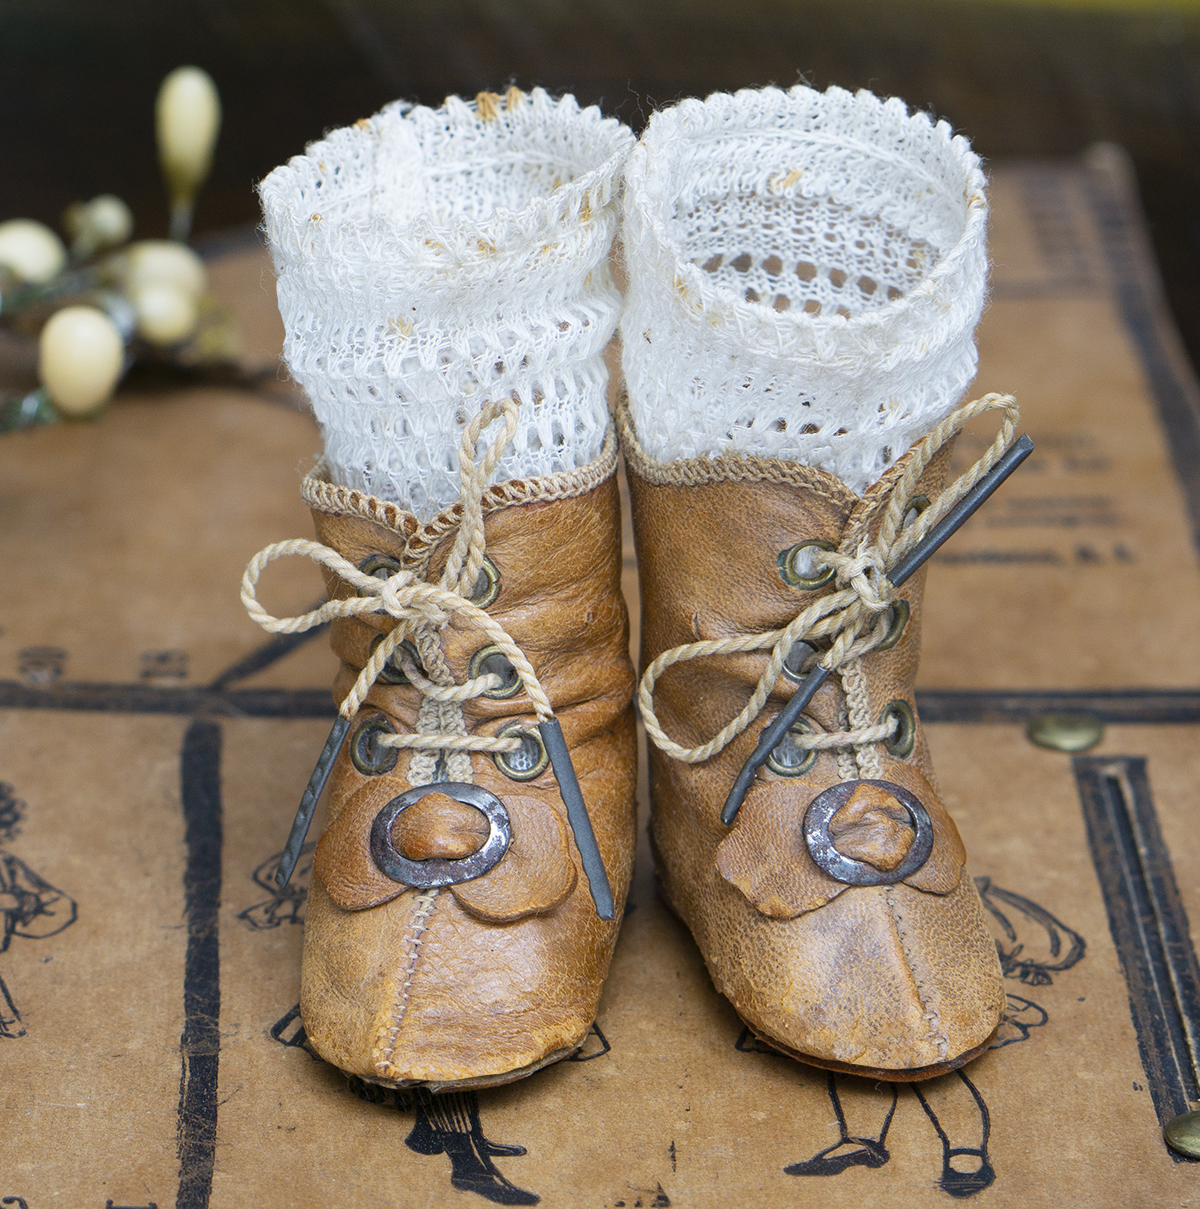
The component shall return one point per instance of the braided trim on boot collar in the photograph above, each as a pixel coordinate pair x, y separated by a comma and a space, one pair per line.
740, 468
318, 492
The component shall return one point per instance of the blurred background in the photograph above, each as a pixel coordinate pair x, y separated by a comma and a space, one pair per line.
78, 80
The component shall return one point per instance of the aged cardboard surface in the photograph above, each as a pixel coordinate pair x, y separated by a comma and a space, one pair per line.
153, 745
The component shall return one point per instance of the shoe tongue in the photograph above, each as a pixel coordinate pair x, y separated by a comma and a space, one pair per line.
439, 827
872, 827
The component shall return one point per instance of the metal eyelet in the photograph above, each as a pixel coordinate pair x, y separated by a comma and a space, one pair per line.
529, 760
491, 659
392, 671
788, 758
381, 566
897, 619
917, 505
487, 586
800, 653
901, 743
373, 759
795, 566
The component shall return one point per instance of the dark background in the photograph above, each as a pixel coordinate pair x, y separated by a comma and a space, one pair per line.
78, 80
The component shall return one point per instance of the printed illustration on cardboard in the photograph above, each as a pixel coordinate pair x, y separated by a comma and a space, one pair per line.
30, 907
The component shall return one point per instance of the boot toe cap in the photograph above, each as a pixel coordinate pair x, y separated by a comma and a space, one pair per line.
419, 991
886, 979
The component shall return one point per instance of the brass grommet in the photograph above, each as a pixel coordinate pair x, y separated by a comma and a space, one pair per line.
392, 672
917, 505
373, 759
794, 565
800, 653
898, 613
487, 586
788, 758
529, 760
1182, 1133
381, 566
901, 743
491, 659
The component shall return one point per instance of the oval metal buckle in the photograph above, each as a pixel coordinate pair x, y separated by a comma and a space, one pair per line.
859, 873
429, 874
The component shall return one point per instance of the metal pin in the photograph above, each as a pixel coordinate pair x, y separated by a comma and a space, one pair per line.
581, 825
308, 802
1183, 1134
772, 734
1068, 731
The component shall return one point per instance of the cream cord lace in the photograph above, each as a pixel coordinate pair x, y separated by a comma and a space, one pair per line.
421, 610
855, 615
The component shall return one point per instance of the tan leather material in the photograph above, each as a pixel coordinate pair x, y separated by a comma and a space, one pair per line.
475, 1003
888, 978
764, 854
485, 980
343, 859
536, 873
790, 882
873, 827
941, 872
439, 827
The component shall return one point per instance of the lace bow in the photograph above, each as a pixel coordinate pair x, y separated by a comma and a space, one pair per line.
419, 608
854, 616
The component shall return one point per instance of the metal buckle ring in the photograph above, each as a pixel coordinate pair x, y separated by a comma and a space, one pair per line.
426, 875
859, 873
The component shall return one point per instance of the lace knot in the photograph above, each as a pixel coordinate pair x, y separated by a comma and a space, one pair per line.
865, 573
421, 610
852, 616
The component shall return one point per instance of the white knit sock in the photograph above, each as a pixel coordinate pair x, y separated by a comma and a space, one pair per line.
429, 261
805, 272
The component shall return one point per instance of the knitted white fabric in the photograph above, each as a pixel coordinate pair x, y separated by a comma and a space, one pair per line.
429, 261
805, 273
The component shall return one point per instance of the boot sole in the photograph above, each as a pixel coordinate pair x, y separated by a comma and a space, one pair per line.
910, 1075
481, 1081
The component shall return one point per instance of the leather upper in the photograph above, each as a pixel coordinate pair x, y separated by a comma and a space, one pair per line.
489, 978
709, 536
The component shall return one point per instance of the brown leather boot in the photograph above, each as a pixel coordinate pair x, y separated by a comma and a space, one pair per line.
452, 938
836, 913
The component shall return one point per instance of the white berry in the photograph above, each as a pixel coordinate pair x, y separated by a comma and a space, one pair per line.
162, 262
80, 358
31, 250
165, 314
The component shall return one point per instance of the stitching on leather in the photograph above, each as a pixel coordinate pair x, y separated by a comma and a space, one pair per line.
931, 1016
318, 492
418, 926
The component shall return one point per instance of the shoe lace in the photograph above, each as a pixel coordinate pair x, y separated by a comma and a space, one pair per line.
421, 610
854, 616
442, 747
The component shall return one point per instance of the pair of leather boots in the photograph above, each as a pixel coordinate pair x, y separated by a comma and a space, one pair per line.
468, 886
455, 934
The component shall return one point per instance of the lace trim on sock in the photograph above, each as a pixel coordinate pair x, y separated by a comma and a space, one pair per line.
805, 271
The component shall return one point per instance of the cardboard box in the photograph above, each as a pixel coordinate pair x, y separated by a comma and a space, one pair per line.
153, 747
